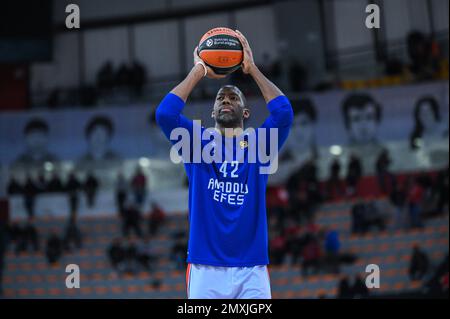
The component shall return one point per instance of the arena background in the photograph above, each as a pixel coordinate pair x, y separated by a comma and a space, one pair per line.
86, 177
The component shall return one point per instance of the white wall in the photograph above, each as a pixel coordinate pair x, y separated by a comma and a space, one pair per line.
101, 45
349, 23
258, 25
64, 70
440, 14
100, 9
157, 47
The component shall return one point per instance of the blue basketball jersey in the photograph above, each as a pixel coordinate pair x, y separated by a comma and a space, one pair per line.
227, 198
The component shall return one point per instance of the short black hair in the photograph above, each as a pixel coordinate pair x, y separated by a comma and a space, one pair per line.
305, 106
99, 120
36, 124
359, 101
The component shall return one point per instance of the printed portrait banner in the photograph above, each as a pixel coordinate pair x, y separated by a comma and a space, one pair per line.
108, 135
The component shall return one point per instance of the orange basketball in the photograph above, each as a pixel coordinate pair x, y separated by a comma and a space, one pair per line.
221, 50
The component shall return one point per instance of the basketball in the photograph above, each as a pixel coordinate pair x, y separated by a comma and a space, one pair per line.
221, 50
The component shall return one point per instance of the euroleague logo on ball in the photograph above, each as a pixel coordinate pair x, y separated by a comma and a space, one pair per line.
209, 42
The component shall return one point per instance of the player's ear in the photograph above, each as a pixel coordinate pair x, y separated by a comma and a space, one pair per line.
212, 114
246, 113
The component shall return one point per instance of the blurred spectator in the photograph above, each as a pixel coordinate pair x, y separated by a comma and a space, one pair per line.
121, 192
354, 173
332, 250
178, 253
131, 255
278, 249
334, 184
367, 215
419, 264
415, 200
72, 235
157, 218
30, 191
311, 254
27, 235
358, 212
3, 247
14, 187
441, 188
41, 184
383, 172
131, 220
144, 254
345, 291
393, 66
54, 248
116, 254
105, 78
90, 188
72, 189
55, 184
398, 200
139, 186
138, 77
123, 76
420, 54
360, 289
297, 76
374, 216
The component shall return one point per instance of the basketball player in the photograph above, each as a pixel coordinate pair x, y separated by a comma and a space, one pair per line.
228, 240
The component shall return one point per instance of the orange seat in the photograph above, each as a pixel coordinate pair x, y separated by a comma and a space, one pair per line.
9, 293
180, 287
39, 291
86, 290
101, 290
54, 291
399, 286
116, 289
23, 292
133, 289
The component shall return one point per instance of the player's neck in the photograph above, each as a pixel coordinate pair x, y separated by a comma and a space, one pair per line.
230, 131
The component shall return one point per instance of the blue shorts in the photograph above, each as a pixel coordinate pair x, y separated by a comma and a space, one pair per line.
211, 282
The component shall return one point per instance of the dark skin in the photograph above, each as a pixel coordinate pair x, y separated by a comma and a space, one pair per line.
229, 109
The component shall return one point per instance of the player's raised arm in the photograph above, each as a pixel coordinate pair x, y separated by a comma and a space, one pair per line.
199, 70
168, 114
268, 89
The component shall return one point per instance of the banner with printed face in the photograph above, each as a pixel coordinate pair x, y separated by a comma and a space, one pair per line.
103, 137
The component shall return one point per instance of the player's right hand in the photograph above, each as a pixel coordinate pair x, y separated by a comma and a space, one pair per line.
210, 72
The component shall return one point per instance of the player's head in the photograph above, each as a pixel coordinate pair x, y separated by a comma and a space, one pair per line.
36, 135
230, 107
361, 117
99, 132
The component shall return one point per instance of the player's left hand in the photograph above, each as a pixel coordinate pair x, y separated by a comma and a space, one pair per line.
247, 63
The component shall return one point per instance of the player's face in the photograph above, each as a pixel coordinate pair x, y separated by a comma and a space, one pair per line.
363, 123
229, 109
